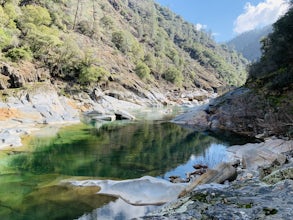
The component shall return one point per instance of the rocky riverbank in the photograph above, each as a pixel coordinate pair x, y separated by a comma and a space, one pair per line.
245, 111
263, 188
28, 108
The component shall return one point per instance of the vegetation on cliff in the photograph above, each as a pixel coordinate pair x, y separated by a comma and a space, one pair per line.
97, 42
264, 106
274, 71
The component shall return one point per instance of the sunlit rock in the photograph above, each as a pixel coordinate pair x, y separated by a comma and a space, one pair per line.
143, 191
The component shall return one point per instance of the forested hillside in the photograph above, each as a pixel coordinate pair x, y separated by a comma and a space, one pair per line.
249, 43
101, 42
264, 105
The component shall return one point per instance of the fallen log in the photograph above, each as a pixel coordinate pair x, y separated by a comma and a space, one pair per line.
223, 172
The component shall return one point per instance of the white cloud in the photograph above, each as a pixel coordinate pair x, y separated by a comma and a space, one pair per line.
215, 34
263, 14
200, 26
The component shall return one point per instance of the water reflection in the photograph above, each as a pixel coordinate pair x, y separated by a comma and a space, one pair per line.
211, 157
114, 151
123, 152
118, 210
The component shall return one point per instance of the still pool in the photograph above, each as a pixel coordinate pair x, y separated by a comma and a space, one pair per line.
32, 181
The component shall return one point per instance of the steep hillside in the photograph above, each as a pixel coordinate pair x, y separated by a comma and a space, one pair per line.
249, 43
264, 105
128, 44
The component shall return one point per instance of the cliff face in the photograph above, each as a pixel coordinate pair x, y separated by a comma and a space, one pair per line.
251, 112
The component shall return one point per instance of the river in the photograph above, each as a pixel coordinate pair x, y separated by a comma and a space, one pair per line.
34, 182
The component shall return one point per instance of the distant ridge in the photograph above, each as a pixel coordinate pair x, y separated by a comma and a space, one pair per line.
248, 43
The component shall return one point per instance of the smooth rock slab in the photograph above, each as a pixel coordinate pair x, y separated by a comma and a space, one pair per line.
143, 191
262, 154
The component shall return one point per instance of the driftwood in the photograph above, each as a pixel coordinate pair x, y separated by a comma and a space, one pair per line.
223, 172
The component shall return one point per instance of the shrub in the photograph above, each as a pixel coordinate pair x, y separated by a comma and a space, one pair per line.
119, 40
36, 15
84, 27
17, 54
142, 70
4, 19
42, 40
106, 22
91, 74
5, 38
173, 75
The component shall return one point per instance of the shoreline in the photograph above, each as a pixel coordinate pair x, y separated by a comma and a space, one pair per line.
260, 178
59, 111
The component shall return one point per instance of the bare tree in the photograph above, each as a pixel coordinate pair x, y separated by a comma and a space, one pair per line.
76, 13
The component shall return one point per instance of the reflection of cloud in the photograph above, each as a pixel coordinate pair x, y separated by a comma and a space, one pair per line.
263, 14
118, 210
211, 156
200, 27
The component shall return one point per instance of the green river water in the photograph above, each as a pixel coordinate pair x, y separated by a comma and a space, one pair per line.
33, 182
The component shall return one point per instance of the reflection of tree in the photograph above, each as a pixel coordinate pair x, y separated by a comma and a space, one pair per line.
127, 151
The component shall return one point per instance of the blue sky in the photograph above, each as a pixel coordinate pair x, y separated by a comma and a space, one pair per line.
227, 18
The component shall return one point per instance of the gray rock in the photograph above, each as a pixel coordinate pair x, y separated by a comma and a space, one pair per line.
11, 137
14, 78
250, 199
279, 175
123, 115
223, 172
262, 154
247, 197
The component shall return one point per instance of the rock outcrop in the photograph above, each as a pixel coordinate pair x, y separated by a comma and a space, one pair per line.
23, 109
249, 199
245, 111
249, 196
25, 73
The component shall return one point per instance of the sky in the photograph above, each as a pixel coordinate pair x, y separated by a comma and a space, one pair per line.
226, 19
